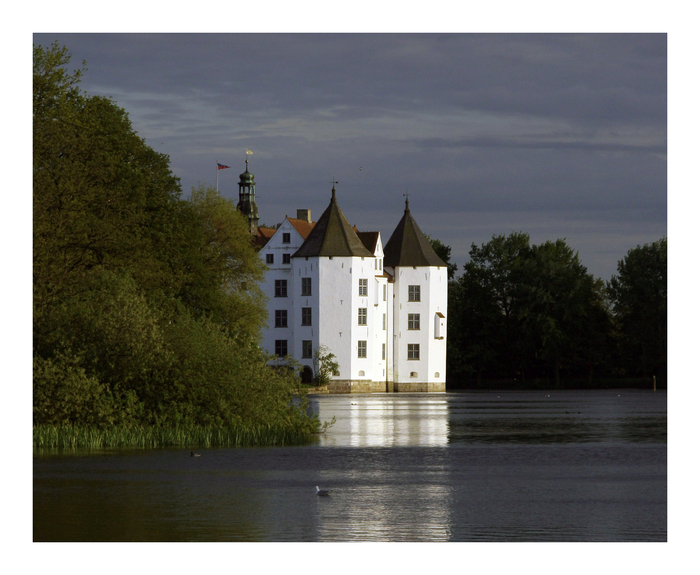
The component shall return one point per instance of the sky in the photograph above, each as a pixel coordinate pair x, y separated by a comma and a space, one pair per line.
556, 135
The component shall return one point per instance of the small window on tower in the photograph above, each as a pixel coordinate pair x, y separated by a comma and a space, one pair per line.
280, 318
306, 348
413, 293
362, 316
306, 316
362, 348
363, 287
280, 288
280, 347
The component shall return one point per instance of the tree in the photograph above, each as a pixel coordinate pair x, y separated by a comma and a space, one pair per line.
325, 365
222, 271
522, 310
638, 294
147, 308
558, 302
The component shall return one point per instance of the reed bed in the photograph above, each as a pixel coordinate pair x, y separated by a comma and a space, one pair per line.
76, 436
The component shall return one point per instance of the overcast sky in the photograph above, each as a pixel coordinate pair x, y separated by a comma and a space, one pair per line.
556, 135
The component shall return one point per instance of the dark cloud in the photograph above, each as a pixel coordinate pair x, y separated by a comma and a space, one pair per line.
552, 134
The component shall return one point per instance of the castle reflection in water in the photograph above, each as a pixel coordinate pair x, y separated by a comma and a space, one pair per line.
385, 420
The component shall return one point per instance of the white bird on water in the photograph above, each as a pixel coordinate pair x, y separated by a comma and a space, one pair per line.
322, 491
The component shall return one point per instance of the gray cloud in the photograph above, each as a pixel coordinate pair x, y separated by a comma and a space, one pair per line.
488, 133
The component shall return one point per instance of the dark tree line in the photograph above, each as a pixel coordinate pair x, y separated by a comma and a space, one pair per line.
147, 306
524, 314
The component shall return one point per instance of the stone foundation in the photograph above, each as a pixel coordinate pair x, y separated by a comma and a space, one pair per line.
418, 386
356, 386
369, 386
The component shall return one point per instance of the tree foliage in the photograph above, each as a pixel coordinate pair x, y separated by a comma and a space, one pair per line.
523, 311
638, 294
147, 306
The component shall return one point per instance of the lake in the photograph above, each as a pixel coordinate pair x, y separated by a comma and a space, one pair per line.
463, 466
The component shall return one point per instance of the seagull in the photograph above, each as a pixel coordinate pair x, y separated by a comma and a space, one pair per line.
322, 491
193, 454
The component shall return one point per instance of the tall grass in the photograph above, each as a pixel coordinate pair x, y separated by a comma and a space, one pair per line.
77, 436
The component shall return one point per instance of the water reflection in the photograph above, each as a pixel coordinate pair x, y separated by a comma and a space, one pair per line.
385, 421
578, 466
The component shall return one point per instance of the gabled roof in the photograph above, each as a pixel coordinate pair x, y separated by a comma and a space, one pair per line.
368, 239
302, 226
332, 236
408, 246
263, 236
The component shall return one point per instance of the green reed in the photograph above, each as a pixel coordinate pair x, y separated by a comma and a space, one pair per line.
77, 436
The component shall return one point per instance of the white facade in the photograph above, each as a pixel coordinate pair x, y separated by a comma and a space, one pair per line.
354, 305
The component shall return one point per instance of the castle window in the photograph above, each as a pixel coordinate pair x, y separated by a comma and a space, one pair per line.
286, 238
363, 287
414, 374
270, 258
383, 321
414, 351
306, 286
362, 316
413, 321
306, 348
413, 293
280, 347
280, 288
362, 348
384, 292
280, 318
306, 316
286, 258
383, 351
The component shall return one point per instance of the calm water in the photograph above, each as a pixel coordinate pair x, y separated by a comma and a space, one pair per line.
496, 466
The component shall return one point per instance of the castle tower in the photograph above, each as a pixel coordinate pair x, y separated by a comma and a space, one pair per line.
344, 301
420, 308
246, 199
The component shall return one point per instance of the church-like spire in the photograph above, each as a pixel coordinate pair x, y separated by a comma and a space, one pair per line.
246, 198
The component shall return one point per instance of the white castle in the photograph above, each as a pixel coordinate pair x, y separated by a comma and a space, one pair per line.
380, 310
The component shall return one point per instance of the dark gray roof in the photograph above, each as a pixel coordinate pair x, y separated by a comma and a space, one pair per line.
332, 236
408, 246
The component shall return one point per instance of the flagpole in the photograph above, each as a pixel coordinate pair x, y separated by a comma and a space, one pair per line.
217, 176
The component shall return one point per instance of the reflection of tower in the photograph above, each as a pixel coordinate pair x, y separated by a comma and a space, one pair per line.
246, 199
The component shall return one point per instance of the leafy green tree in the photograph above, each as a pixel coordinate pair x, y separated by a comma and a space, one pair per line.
325, 365
102, 198
638, 294
489, 320
223, 270
522, 311
558, 300
147, 308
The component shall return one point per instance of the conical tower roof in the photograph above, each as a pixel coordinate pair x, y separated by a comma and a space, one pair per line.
408, 246
332, 236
